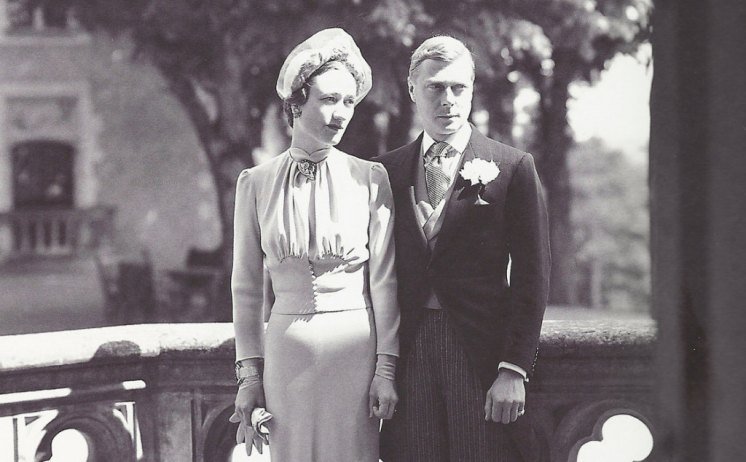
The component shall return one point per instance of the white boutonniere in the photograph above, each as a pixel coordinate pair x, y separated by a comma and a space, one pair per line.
480, 172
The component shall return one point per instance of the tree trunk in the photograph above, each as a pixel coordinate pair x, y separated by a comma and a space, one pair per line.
228, 138
401, 123
502, 113
596, 276
553, 143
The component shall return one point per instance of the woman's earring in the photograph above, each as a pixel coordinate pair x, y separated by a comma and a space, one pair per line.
296, 111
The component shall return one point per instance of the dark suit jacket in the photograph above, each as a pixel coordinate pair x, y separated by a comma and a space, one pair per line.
468, 267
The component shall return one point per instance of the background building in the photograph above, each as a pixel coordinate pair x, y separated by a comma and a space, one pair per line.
95, 156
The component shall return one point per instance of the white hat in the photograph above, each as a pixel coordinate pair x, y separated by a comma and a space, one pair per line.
316, 51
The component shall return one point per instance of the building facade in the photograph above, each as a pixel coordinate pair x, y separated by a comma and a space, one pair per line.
93, 147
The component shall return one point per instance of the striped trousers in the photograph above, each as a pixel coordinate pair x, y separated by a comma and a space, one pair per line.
440, 415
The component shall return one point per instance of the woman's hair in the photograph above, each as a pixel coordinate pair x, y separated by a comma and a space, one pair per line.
293, 103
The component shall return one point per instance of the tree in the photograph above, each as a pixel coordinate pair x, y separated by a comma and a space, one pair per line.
582, 37
611, 235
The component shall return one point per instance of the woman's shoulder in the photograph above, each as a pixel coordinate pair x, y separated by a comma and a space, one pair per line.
362, 166
265, 170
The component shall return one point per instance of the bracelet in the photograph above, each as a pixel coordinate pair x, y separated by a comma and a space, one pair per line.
244, 381
247, 371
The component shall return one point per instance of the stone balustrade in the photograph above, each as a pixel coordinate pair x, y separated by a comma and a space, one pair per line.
164, 392
54, 231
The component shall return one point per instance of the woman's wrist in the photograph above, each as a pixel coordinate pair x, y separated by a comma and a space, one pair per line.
249, 371
386, 366
250, 382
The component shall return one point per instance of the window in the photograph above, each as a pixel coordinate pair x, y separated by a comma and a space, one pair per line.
43, 175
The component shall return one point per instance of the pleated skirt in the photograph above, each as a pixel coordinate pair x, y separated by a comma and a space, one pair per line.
318, 369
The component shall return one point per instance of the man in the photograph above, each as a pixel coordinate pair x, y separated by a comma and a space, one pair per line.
465, 206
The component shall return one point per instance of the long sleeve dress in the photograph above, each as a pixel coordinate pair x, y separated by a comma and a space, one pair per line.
319, 255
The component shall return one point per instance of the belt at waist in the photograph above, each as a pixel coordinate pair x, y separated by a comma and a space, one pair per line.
318, 303
327, 310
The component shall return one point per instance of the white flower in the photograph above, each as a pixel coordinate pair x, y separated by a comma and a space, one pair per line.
479, 171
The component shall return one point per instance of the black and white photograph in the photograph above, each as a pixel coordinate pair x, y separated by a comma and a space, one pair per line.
372, 230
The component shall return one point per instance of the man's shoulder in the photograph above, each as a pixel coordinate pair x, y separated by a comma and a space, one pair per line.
484, 145
389, 158
398, 155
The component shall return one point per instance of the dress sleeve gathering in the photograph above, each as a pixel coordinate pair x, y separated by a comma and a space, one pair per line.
381, 266
247, 279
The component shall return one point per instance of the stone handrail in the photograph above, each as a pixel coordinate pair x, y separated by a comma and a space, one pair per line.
55, 231
180, 379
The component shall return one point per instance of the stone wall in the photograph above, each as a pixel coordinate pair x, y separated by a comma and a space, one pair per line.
180, 381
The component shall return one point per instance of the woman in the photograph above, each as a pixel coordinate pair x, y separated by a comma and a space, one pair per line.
313, 238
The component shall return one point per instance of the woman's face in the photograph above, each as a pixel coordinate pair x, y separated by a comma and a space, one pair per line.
324, 117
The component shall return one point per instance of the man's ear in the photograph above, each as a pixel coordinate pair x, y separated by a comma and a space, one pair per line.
410, 88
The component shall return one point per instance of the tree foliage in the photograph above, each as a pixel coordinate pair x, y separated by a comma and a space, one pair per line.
611, 228
576, 40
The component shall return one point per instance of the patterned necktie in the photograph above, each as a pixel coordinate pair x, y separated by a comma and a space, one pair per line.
436, 179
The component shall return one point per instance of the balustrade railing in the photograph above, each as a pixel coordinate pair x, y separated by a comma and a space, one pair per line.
164, 392
54, 231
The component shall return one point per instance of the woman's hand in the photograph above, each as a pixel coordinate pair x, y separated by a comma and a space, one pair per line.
382, 398
250, 396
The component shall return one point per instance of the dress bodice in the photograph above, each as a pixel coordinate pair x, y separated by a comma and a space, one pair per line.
303, 286
321, 244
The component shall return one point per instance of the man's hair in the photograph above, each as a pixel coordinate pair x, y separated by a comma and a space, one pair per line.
292, 104
440, 48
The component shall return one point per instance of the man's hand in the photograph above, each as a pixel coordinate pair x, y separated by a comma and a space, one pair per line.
505, 398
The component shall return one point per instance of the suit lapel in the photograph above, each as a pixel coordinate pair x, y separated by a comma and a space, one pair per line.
458, 202
406, 182
413, 223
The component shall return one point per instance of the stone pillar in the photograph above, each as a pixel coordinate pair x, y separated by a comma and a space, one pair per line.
3, 16
166, 425
698, 209
6, 180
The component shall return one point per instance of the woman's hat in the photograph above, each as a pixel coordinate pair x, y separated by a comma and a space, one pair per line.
317, 50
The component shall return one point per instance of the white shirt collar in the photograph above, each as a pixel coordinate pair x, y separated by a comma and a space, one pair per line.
298, 154
458, 140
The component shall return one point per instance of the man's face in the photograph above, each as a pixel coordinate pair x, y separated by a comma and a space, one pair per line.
331, 103
442, 93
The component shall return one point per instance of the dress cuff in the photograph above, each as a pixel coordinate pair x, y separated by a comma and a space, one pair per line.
250, 360
514, 368
386, 366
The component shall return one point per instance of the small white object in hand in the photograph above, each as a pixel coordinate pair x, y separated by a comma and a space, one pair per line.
259, 417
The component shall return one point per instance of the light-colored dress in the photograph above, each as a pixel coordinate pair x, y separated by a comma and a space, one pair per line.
320, 255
